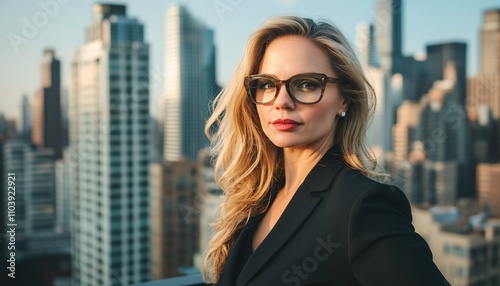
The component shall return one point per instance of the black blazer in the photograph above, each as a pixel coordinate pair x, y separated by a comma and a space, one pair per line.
340, 228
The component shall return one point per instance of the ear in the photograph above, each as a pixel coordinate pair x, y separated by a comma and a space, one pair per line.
343, 106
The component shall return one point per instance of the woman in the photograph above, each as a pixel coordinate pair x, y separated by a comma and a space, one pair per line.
288, 133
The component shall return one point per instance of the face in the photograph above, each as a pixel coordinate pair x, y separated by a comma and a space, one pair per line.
289, 124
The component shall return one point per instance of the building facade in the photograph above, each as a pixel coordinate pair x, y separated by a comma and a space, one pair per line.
439, 58
109, 149
35, 197
175, 217
465, 255
47, 121
365, 38
64, 172
23, 122
488, 182
388, 35
211, 200
490, 42
483, 89
189, 83
403, 132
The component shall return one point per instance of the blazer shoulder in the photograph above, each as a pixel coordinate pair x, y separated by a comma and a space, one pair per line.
352, 186
380, 229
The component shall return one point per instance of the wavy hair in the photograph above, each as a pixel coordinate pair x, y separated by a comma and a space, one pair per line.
247, 165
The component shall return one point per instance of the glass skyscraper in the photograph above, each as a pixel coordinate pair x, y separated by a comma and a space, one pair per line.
109, 140
47, 128
189, 83
388, 35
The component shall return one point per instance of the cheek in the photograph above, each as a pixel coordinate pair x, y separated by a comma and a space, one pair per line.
262, 118
324, 115
261, 114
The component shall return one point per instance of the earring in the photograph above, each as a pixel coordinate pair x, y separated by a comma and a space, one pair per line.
342, 114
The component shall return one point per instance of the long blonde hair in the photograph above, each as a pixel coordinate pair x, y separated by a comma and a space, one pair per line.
247, 164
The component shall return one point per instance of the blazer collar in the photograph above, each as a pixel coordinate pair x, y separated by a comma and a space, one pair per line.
295, 214
321, 176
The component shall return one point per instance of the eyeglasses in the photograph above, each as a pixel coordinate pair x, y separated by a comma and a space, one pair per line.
305, 88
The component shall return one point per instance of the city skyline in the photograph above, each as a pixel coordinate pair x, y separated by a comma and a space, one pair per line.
64, 20
133, 196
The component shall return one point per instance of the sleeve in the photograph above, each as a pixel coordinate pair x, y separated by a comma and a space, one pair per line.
384, 248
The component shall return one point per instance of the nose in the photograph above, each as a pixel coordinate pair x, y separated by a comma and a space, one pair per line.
284, 100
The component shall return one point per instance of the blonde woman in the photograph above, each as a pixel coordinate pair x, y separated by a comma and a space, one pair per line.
288, 132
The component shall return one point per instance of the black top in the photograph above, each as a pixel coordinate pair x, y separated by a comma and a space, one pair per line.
246, 250
339, 228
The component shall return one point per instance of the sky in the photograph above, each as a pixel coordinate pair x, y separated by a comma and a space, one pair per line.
60, 24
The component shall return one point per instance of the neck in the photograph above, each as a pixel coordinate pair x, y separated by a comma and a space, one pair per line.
298, 163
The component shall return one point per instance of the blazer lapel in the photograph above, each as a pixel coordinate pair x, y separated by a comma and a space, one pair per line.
229, 271
295, 214
297, 211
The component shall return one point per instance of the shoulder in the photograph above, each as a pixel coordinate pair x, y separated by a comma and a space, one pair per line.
379, 229
358, 191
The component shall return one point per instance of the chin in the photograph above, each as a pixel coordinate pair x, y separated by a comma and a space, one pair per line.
284, 144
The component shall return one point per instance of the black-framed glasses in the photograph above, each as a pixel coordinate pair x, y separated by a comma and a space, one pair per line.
305, 88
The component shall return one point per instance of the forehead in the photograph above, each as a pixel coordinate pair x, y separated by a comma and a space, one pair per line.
290, 55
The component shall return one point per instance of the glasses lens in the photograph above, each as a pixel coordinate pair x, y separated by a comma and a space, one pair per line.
306, 89
262, 89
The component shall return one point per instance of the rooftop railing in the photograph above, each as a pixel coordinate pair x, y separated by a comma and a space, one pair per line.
189, 280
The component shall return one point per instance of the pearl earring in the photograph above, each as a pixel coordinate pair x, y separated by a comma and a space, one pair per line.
342, 114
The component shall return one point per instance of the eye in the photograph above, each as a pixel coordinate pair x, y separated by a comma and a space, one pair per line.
265, 84
307, 85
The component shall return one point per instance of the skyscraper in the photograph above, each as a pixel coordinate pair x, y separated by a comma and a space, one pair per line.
35, 200
442, 125
13, 162
63, 171
47, 127
388, 35
415, 76
40, 191
210, 199
442, 132
483, 90
24, 119
488, 180
404, 130
439, 57
109, 145
490, 42
377, 133
175, 217
37, 243
378, 80
189, 83
365, 36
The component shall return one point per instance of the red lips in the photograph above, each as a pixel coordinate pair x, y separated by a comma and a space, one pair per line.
285, 124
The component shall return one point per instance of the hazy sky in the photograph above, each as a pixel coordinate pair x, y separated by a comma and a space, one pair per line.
424, 22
